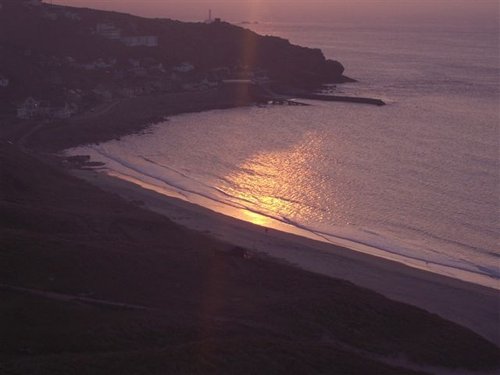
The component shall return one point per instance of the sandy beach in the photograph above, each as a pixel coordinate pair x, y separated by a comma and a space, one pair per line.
470, 305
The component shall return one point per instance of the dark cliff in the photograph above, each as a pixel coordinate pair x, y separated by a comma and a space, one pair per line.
50, 31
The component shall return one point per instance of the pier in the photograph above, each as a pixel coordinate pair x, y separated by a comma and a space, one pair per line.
337, 98
279, 101
267, 95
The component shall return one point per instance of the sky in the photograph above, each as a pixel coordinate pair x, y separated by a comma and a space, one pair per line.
310, 11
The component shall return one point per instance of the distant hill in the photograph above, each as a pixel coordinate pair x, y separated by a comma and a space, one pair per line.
40, 43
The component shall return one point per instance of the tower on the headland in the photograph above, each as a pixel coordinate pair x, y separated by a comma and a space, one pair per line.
209, 19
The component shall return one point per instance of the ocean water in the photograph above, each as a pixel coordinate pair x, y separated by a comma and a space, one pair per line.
416, 181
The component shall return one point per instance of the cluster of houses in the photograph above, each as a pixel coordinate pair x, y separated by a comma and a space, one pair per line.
34, 109
136, 78
4, 81
110, 31
124, 78
97, 64
130, 78
53, 15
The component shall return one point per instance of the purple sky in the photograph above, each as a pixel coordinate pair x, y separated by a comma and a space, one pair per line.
393, 11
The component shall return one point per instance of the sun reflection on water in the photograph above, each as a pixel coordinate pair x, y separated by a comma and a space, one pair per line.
256, 218
280, 184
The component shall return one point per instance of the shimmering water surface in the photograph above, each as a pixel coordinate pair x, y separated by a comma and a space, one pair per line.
417, 180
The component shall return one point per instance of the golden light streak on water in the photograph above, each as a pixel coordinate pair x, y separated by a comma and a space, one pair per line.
263, 181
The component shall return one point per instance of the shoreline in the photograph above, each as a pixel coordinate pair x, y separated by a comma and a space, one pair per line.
244, 214
471, 305
117, 271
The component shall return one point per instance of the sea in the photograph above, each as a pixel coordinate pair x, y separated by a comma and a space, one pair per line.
415, 181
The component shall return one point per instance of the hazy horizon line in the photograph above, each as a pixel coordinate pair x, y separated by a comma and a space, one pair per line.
459, 12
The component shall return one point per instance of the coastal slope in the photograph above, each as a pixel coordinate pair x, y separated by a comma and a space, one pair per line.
91, 283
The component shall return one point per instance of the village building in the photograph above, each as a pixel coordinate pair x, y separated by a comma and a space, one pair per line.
236, 81
199, 85
29, 109
71, 15
185, 67
157, 68
127, 92
98, 64
50, 16
140, 41
62, 112
73, 96
218, 74
32, 108
167, 85
69, 60
108, 31
210, 84
4, 81
102, 93
138, 71
134, 63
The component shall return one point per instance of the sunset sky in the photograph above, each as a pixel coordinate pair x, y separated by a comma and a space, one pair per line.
394, 11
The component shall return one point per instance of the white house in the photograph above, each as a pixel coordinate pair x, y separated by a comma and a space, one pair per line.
108, 31
4, 81
28, 109
185, 67
71, 15
98, 64
140, 41
138, 71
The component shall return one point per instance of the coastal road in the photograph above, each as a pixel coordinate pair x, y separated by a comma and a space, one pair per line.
98, 111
